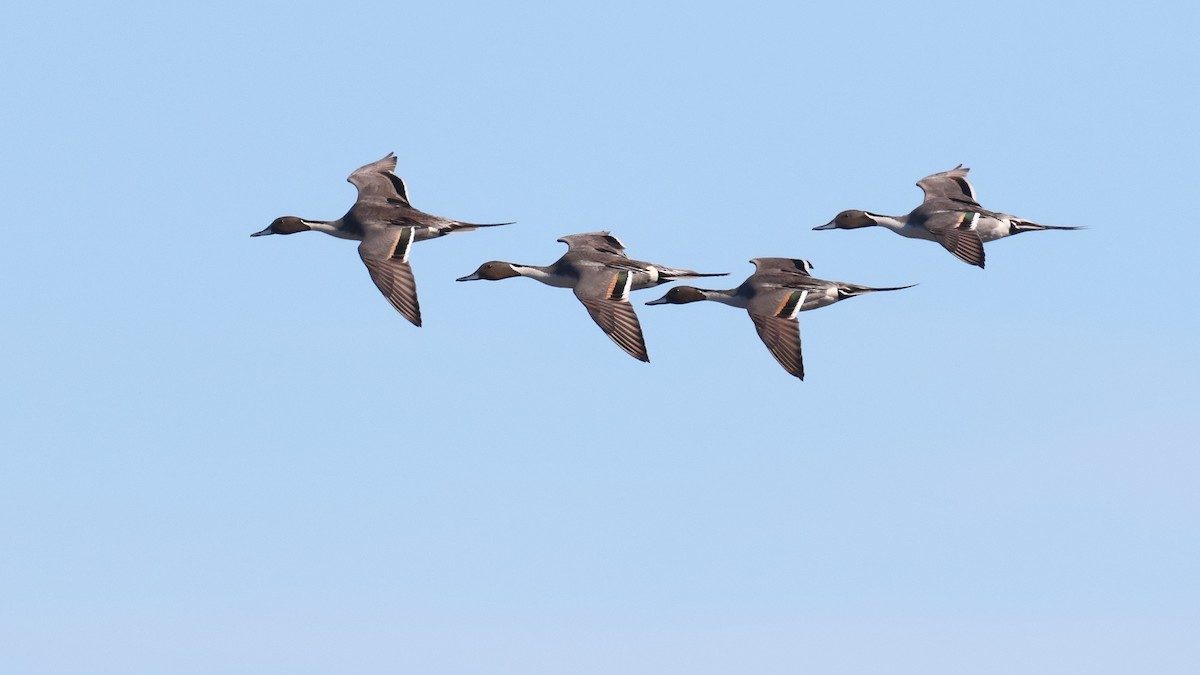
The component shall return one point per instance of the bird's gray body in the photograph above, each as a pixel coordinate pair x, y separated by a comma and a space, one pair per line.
387, 225
596, 268
949, 215
779, 289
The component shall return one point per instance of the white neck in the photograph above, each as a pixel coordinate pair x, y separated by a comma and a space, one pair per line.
726, 298
893, 223
542, 274
901, 226
330, 228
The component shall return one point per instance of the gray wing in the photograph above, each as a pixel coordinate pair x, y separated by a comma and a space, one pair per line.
604, 292
774, 315
378, 180
603, 242
953, 230
385, 253
952, 184
795, 265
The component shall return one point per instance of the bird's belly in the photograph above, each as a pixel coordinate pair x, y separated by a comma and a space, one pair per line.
989, 228
646, 279
915, 232
425, 233
818, 298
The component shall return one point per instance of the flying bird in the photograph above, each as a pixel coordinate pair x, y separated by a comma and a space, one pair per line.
779, 289
387, 225
949, 215
596, 268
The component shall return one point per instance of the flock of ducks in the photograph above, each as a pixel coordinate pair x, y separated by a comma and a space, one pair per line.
596, 268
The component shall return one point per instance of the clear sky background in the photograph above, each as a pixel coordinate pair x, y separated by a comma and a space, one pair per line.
230, 455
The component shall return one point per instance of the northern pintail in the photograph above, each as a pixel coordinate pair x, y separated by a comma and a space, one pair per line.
949, 215
779, 289
596, 268
387, 225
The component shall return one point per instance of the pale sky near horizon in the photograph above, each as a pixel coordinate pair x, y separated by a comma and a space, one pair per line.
221, 454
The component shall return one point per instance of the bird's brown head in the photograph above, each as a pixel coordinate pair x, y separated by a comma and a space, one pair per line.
680, 295
284, 225
493, 270
849, 220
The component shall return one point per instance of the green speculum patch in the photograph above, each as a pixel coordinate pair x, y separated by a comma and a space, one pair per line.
789, 307
618, 288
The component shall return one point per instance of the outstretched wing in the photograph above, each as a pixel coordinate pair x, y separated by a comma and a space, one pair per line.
385, 253
377, 180
952, 184
774, 315
604, 242
604, 291
955, 231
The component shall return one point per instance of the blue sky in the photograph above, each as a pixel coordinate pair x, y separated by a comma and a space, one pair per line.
231, 455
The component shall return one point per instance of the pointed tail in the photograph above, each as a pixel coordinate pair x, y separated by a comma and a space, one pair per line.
672, 273
1019, 225
460, 226
851, 290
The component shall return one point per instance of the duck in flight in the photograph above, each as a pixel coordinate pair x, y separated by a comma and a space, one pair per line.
386, 224
779, 289
949, 215
596, 268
